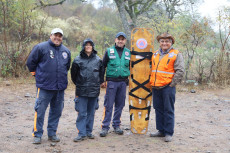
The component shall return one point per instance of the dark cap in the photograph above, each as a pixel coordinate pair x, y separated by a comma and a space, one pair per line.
121, 34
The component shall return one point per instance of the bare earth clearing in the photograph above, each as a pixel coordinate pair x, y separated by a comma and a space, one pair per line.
202, 124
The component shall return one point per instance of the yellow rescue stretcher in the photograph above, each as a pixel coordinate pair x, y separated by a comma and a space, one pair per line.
140, 91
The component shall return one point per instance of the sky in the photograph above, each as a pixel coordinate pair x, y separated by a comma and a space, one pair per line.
210, 7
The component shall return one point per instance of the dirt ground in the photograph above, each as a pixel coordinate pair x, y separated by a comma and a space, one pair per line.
202, 124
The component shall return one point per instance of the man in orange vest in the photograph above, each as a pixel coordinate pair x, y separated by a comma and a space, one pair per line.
167, 71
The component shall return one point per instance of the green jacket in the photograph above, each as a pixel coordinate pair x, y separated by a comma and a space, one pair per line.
118, 67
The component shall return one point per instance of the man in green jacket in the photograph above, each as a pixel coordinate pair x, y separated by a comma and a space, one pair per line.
116, 63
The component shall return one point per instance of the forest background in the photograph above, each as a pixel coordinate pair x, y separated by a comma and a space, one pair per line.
25, 23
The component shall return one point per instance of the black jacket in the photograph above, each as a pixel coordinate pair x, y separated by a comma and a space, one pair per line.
86, 72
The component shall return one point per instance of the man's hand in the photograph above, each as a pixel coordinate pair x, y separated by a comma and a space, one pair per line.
172, 84
33, 73
103, 85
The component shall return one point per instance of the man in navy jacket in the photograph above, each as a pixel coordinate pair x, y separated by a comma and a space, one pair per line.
49, 62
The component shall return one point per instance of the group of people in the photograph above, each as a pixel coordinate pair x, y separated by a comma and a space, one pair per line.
50, 61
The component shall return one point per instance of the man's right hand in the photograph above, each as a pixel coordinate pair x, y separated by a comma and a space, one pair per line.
33, 73
103, 85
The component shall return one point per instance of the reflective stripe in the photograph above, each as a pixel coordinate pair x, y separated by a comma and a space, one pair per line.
36, 115
76, 127
112, 57
38, 92
35, 123
103, 116
162, 72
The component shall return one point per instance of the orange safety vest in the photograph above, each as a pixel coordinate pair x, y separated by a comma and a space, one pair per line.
163, 70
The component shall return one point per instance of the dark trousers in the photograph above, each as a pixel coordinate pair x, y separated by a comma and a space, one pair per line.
56, 100
115, 95
85, 106
163, 103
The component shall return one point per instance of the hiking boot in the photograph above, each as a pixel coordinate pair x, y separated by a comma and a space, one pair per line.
118, 130
37, 140
168, 138
157, 134
79, 138
90, 136
53, 138
103, 133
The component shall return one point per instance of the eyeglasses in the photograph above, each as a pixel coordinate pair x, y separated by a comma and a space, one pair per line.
165, 41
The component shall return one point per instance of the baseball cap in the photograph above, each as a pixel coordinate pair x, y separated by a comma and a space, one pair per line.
57, 30
120, 34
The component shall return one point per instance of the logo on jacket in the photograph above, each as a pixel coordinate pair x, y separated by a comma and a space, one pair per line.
65, 55
112, 52
51, 54
126, 53
171, 54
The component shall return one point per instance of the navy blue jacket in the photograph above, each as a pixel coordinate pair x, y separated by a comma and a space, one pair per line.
50, 64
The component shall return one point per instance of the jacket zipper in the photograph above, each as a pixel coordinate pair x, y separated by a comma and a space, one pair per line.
156, 71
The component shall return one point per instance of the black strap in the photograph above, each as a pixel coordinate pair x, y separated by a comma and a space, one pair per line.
146, 108
131, 94
140, 85
135, 62
145, 55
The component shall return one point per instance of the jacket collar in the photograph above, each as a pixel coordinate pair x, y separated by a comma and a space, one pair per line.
84, 55
119, 48
52, 44
166, 52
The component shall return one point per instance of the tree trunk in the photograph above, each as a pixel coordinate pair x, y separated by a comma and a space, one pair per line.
4, 27
121, 8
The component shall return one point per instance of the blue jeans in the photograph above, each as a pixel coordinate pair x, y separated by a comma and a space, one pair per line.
163, 103
115, 94
85, 106
56, 100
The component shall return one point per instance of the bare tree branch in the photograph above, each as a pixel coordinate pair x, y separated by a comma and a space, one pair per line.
42, 4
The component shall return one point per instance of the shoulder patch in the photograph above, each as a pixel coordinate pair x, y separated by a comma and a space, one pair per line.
171, 54
65, 55
111, 51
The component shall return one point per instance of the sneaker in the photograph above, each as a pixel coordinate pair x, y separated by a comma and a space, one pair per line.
118, 130
168, 138
90, 136
103, 133
53, 138
79, 138
37, 140
157, 134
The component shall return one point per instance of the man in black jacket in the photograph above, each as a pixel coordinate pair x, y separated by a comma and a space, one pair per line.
49, 62
86, 75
